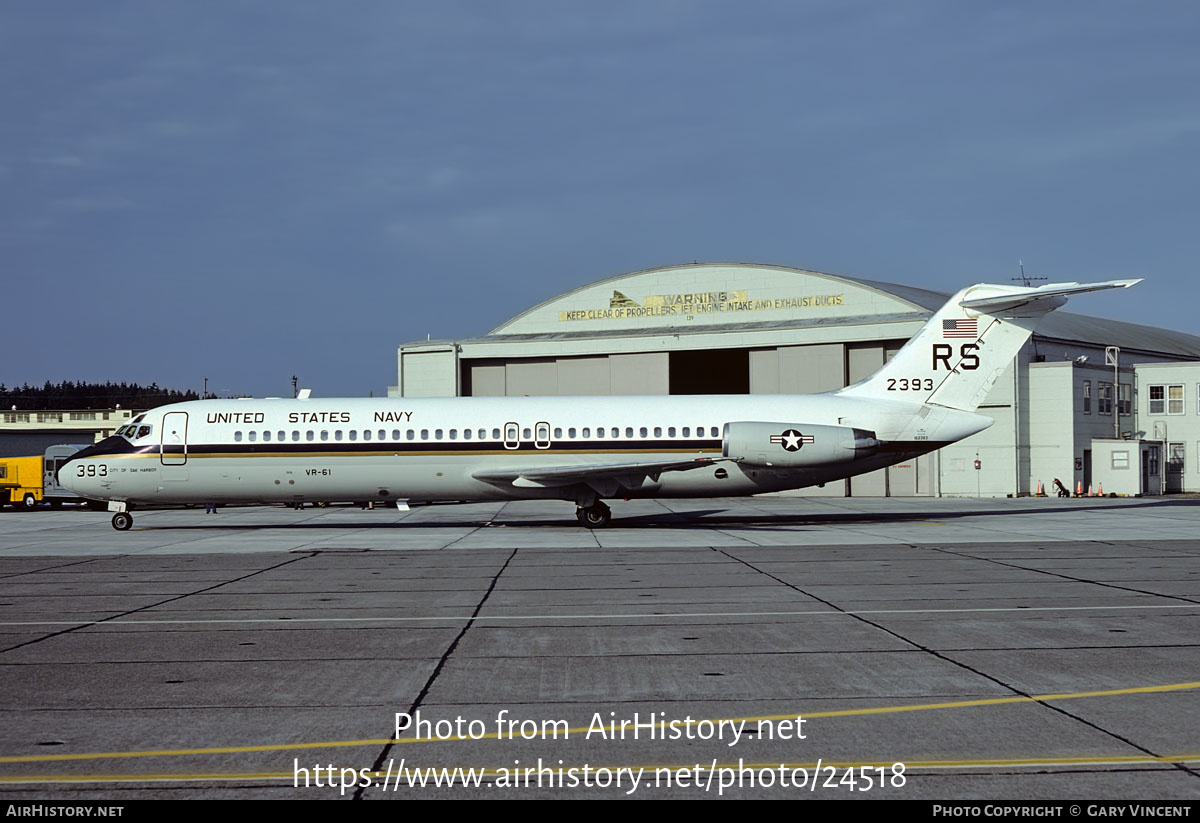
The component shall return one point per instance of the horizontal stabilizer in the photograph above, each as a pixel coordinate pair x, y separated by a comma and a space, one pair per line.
1023, 296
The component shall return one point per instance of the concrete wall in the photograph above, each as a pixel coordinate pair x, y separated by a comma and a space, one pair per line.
1181, 428
430, 371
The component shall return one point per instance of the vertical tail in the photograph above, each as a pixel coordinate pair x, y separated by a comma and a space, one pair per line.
956, 357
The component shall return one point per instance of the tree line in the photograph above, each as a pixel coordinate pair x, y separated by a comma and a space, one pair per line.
77, 396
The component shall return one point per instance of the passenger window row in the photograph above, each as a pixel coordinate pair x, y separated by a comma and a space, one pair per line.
572, 433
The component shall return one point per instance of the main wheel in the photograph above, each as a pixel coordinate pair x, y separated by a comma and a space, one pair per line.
122, 521
595, 516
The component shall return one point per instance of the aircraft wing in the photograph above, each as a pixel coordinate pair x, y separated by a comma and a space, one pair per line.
604, 477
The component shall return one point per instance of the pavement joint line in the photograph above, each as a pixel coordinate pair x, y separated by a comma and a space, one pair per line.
83, 624
331, 744
1062, 576
446, 655
950, 658
1028, 762
645, 615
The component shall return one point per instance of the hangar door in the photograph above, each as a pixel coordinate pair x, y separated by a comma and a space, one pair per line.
710, 371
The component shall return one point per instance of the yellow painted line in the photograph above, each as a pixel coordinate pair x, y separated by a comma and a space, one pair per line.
332, 744
518, 771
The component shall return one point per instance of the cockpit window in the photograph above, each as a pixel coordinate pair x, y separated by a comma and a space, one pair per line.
143, 431
138, 419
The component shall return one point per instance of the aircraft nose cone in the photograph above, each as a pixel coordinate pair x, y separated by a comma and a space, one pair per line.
65, 476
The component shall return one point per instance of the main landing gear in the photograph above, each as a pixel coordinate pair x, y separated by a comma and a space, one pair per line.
122, 521
595, 516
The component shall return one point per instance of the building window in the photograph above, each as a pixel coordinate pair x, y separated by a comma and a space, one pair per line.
1120, 460
1175, 399
1175, 452
1158, 400
1087, 396
1125, 400
1152, 451
1106, 398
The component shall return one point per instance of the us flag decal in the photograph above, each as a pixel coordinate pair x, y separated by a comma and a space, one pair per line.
960, 328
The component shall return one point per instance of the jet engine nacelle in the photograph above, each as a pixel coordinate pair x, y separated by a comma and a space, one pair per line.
795, 445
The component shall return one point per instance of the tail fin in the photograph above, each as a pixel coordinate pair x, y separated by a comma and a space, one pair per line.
956, 357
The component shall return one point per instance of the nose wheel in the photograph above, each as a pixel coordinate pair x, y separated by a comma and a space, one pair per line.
121, 521
595, 516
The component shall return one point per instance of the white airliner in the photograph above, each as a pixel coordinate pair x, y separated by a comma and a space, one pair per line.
581, 449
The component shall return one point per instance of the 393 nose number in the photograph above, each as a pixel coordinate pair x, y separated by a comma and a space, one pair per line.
92, 470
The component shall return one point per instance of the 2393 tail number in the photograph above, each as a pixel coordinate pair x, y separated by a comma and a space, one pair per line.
906, 384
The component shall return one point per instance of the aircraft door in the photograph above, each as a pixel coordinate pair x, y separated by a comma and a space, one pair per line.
512, 436
174, 439
542, 436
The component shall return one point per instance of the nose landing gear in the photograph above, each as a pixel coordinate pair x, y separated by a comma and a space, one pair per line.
595, 516
121, 521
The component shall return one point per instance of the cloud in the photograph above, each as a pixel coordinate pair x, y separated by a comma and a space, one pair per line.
62, 161
93, 204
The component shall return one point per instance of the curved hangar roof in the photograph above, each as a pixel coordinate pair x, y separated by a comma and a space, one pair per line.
709, 297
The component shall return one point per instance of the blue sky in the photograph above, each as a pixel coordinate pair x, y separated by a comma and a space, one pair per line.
252, 190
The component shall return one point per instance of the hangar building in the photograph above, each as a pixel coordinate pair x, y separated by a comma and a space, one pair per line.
735, 328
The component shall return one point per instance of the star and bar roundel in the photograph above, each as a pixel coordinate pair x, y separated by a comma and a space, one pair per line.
791, 440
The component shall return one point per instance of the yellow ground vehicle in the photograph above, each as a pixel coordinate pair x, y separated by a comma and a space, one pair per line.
26, 481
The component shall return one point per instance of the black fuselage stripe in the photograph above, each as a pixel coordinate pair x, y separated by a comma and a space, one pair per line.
324, 448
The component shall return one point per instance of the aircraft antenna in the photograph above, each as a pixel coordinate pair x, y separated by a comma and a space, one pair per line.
1025, 279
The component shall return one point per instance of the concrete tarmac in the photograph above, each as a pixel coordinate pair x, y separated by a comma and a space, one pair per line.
935, 649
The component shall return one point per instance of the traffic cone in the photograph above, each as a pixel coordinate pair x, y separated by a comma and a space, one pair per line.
1090, 493
1101, 492
1079, 488
1040, 491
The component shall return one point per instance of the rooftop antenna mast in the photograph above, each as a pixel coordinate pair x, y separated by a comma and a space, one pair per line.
1025, 279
